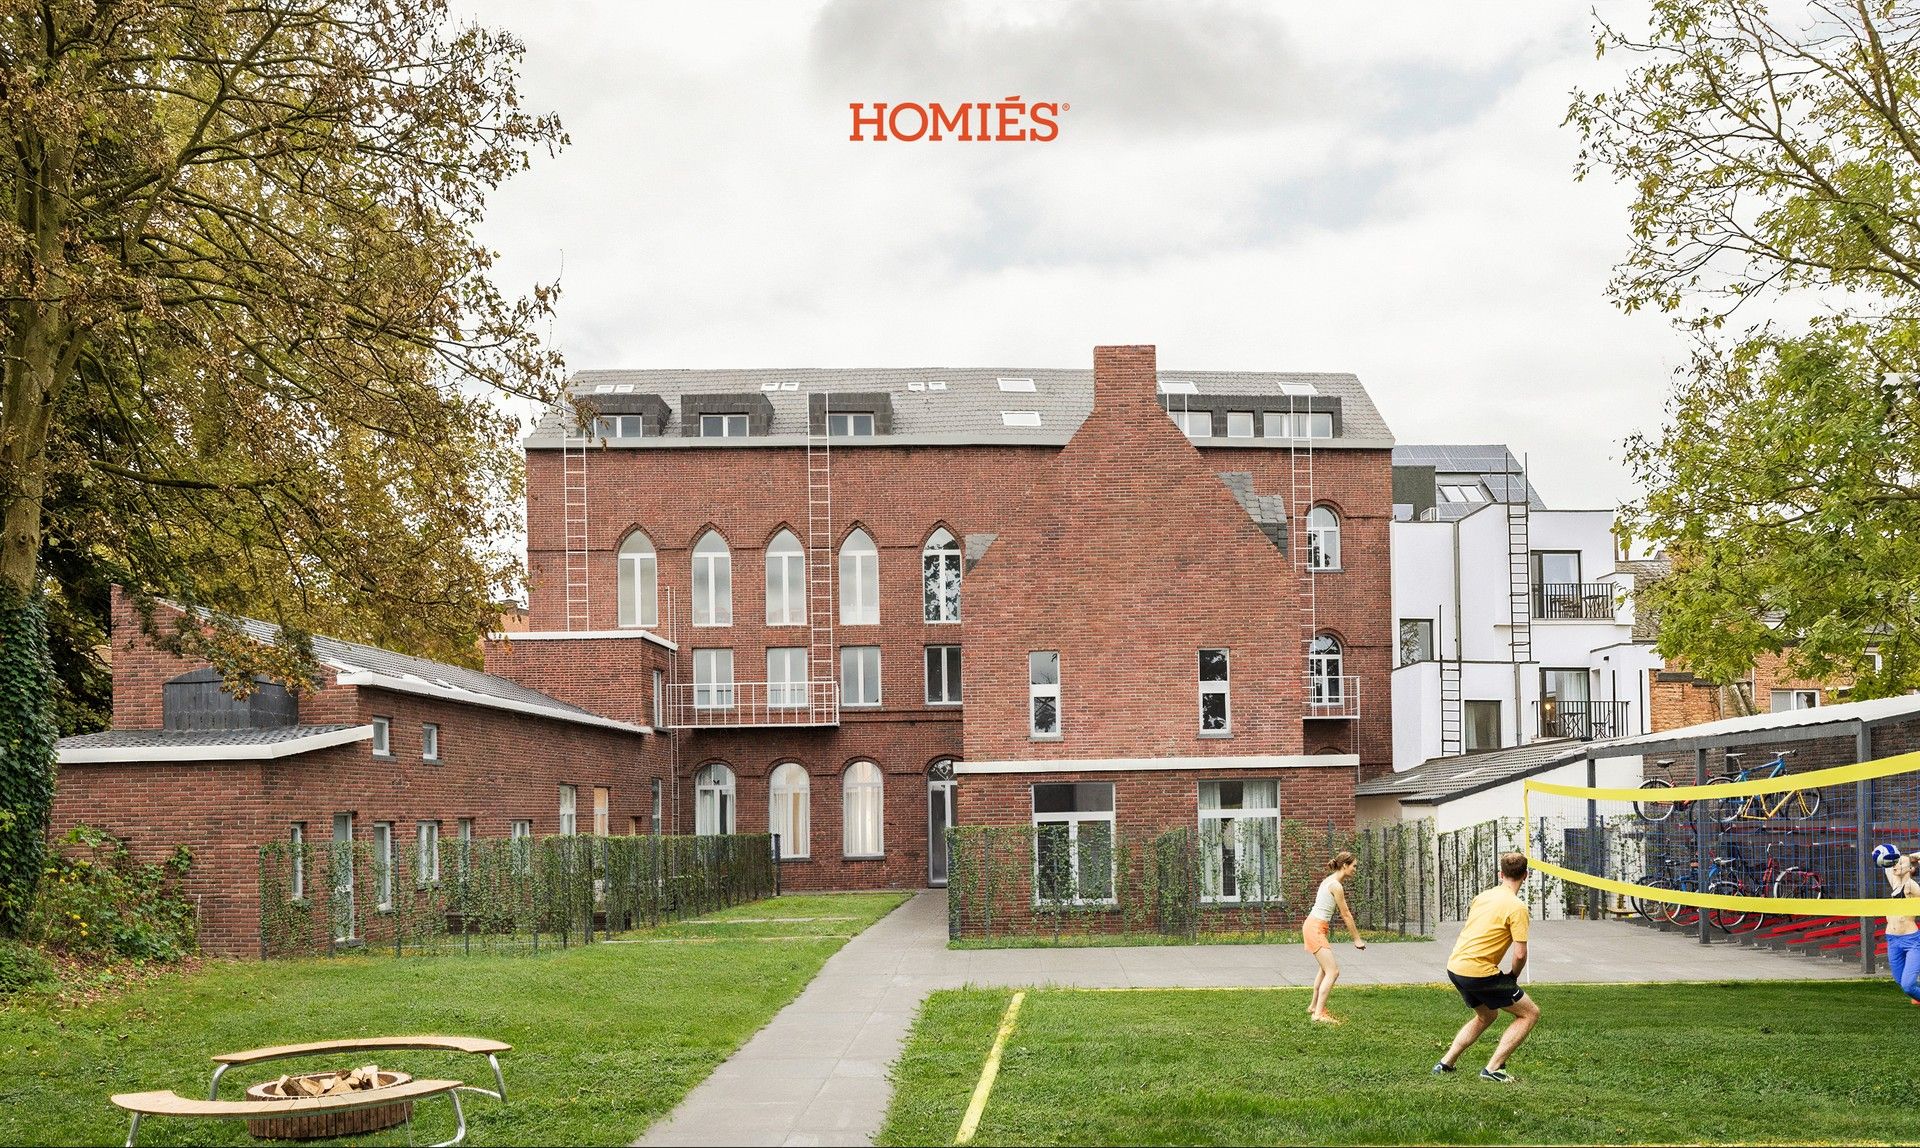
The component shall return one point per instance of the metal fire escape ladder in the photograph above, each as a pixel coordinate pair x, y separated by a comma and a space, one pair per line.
1300, 460
1519, 567
1452, 719
573, 499
823, 690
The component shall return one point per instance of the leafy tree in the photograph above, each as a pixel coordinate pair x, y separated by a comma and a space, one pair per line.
252, 350
1777, 157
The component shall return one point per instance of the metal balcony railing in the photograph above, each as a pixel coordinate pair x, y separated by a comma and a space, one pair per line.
727, 705
1583, 720
1573, 601
1333, 697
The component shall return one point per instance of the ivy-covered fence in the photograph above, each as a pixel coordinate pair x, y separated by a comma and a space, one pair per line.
1469, 862
1251, 877
497, 894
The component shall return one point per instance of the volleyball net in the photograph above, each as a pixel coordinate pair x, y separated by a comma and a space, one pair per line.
1756, 839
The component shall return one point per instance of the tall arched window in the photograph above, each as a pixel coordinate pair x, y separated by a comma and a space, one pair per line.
1323, 539
863, 813
1325, 666
786, 581
788, 793
639, 582
713, 800
940, 577
712, 581
859, 581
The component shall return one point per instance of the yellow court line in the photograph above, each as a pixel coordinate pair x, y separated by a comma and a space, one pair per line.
1784, 906
1838, 775
977, 1107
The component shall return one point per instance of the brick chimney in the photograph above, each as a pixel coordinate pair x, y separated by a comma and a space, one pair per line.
1125, 379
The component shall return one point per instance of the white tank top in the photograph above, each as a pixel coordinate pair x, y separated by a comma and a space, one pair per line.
1323, 905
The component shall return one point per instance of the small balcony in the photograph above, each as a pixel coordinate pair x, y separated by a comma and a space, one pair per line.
1584, 721
1329, 696
1573, 601
738, 705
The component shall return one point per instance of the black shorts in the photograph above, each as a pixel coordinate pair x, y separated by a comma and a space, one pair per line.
1497, 991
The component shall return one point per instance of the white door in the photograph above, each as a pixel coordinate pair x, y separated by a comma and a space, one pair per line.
939, 820
343, 922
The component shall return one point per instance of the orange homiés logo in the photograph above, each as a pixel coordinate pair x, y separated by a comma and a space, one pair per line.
1009, 120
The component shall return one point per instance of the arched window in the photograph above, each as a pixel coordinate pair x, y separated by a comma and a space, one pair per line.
712, 581
786, 581
713, 800
859, 581
862, 814
1323, 539
940, 577
787, 817
639, 582
1325, 666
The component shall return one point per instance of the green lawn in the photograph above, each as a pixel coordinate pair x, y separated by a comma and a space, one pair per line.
1769, 1062
607, 1038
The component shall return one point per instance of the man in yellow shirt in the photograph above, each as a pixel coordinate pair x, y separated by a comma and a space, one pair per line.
1496, 921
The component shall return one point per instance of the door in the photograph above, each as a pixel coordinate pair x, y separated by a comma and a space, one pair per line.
343, 922
939, 820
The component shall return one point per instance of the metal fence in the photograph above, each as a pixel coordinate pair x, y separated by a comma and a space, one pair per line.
497, 894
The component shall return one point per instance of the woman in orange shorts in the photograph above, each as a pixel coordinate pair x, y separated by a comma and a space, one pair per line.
1332, 894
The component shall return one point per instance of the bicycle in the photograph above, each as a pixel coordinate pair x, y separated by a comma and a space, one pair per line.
1798, 804
1660, 810
1679, 874
1775, 878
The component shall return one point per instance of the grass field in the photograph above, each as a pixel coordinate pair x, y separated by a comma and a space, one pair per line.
607, 1038
1766, 1062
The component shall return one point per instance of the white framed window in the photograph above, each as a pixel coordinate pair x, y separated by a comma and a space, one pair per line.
786, 581
1043, 693
382, 736
788, 796
1781, 701
1073, 854
863, 812
712, 581
943, 675
466, 844
1296, 424
426, 853
1240, 840
787, 677
1326, 681
1216, 714
521, 829
430, 741
297, 850
655, 787
713, 679
723, 426
850, 424
569, 811
859, 581
859, 675
1239, 424
1323, 539
1196, 424
619, 426
940, 577
713, 800
602, 811
639, 581
383, 866
659, 699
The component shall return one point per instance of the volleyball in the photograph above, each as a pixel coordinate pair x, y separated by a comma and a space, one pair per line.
1884, 855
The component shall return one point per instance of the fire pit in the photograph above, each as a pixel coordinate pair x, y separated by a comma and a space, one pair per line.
326, 1124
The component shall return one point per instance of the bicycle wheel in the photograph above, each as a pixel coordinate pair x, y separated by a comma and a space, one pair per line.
1726, 920
1655, 911
1726, 810
1685, 916
1804, 804
1798, 882
1654, 810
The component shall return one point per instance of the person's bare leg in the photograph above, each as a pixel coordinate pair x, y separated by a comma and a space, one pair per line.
1526, 1014
1323, 984
1313, 1002
1469, 1032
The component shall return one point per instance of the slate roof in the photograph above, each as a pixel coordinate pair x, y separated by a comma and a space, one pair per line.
1492, 466
195, 738
1443, 779
1268, 511
951, 406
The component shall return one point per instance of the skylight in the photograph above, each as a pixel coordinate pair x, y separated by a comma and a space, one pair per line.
937, 386
1299, 389
1178, 387
1020, 418
790, 385
1023, 385
603, 389
916, 386
773, 386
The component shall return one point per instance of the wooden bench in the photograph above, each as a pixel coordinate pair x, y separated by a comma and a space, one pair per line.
173, 1104
478, 1046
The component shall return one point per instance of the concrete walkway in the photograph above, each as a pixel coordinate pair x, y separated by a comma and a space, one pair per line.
817, 1074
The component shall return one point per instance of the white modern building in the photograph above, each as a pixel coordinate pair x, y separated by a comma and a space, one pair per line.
1516, 620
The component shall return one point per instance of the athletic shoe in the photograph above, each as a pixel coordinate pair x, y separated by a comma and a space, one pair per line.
1497, 1075
1443, 1069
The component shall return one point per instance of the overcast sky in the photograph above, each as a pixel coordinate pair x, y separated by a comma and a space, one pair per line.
1377, 188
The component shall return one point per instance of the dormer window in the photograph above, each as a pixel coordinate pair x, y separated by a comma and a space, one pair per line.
723, 426
619, 426
1296, 424
851, 424
1196, 424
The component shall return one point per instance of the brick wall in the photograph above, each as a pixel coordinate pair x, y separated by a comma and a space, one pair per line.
1676, 698
612, 677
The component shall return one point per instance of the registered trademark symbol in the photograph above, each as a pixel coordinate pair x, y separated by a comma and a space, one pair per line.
1066, 107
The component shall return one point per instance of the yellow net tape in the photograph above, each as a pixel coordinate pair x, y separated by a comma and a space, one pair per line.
1838, 775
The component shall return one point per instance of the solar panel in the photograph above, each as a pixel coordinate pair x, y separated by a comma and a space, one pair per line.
1020, 418
1025, 385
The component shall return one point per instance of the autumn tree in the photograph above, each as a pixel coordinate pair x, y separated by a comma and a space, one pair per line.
253, 352
1774, 157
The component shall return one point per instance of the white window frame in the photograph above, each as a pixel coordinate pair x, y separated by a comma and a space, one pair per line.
1323, 538
569, 810
941, 571
620, 426
383, 866
789, 809
713, 678
1245, 819
638, 583
1462, 493
659, 699
1240, 424
1073, 821
950, 675
430, 741
863, 812
1797, 699
520, 829
852, 424
1296, 424
1187, 421
715, 804
724, 424
297, 849
787, 677
786, 580
655, 790
602, 810
712, 581
1221, 689
382, 736
854, 671
859, 580
426, 853
1326, 688
1037, 690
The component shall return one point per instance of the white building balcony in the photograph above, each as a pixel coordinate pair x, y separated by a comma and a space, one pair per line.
1329, 696
737, 705
1573, 601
